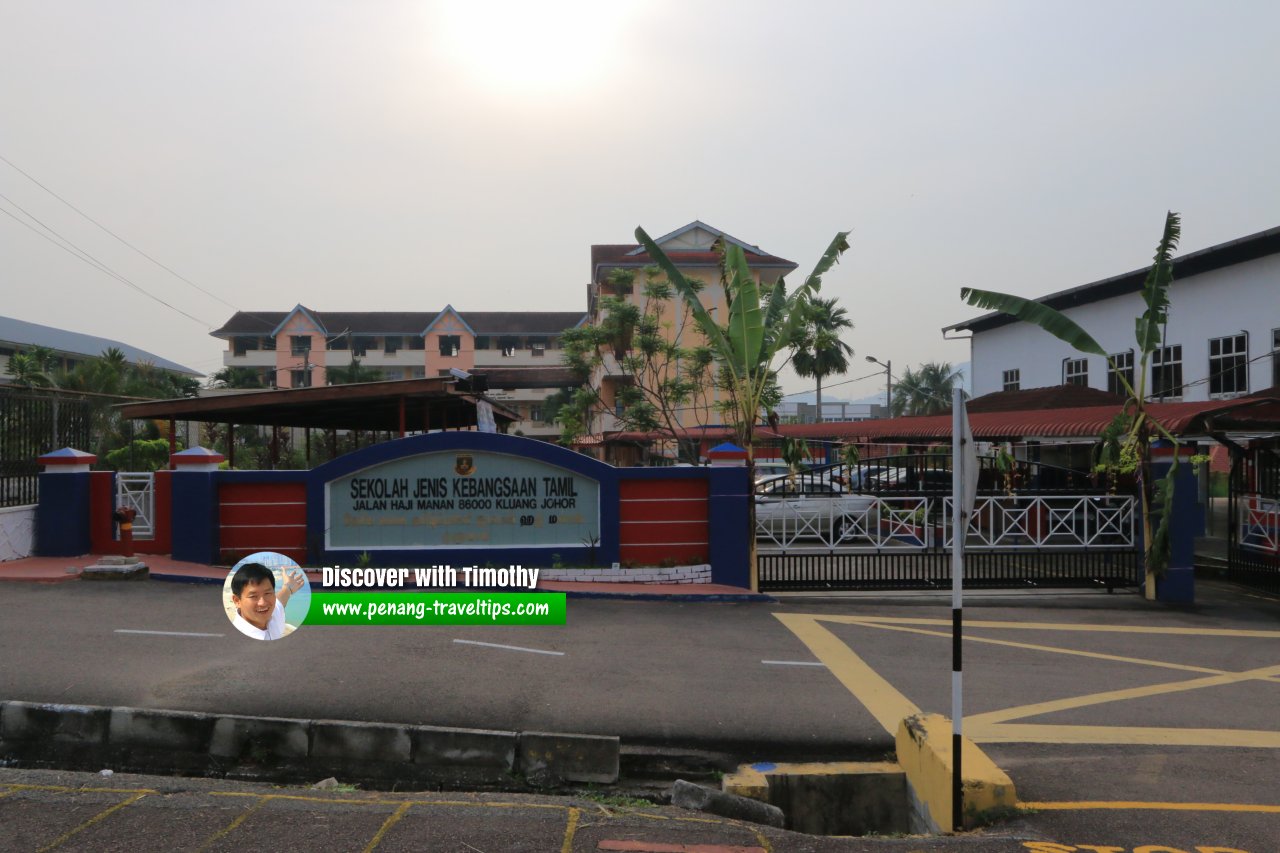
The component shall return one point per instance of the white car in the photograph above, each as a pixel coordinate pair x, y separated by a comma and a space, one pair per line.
810, 507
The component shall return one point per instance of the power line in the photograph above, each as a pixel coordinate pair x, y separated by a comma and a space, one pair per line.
162, 266
78, 253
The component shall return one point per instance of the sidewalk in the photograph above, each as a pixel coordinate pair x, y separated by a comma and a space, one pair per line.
164, 568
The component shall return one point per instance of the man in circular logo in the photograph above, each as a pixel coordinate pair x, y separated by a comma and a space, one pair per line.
259, 608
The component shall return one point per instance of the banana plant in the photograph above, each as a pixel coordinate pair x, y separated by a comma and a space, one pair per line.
1127, 442
762, 320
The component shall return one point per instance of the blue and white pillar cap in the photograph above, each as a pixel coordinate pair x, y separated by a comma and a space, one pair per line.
68, 460
727, 454
196, 459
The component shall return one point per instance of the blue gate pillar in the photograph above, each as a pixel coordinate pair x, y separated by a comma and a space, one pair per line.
1178, 583
195, 505
62, 513
727, 519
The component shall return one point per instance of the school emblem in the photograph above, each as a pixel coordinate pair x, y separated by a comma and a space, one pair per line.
464, 466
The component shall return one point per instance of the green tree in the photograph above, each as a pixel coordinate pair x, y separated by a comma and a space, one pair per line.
819, 352
34, 368
654, 376
236, 377
926, 390
352, 373
1127, 446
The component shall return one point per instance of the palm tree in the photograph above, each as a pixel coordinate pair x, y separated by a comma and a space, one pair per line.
926, 390
236, 377
28, 372
819, 352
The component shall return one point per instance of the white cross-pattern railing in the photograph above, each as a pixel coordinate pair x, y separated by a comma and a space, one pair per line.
1048, 521
849, 522
137, 491
1260, 524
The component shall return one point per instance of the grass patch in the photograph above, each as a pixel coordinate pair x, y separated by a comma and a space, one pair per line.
617, 801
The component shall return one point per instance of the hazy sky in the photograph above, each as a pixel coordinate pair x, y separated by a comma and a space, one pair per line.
404, 155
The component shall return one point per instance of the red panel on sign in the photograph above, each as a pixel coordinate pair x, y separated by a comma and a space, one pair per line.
652, 555
263, 493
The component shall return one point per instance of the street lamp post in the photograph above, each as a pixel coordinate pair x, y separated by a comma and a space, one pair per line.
888, 378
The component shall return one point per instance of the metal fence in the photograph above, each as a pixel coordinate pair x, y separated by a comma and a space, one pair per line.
885, 524
32, 423
1253, 513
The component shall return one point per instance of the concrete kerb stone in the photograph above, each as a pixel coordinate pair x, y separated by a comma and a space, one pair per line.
550, 758
476, 755
260, 740
335, 740
81, 736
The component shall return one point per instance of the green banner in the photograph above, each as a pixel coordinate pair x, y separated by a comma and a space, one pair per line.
437, 608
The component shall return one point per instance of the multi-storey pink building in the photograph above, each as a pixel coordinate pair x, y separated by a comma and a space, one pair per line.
519, 348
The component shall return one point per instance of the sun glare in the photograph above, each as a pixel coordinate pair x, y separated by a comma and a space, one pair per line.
534, 47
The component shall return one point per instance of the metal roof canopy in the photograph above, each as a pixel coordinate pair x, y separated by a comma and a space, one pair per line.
1257, 414
426, 404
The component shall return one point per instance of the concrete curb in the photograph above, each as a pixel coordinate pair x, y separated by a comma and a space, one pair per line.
924, 752
278, 749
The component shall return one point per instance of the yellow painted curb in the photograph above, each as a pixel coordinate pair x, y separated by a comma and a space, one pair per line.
924, 753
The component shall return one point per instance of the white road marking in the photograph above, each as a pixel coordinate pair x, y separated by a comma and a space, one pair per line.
510, 648
794, 662
166, 633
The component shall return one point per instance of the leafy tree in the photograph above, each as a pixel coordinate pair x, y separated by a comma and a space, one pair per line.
236, 377
925, 391
27, 373
353, 373
819, 352
656, 376
1126, 447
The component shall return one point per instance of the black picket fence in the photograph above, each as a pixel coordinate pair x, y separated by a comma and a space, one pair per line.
32, 423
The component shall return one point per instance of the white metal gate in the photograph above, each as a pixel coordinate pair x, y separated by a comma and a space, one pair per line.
137, 491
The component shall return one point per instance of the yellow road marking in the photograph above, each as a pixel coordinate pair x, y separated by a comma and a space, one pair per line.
881, 698
1120, 695
1056, 626
386, 825
83, 789
888, 705
382, 801
1175, 807
570, 830
969, 638
231, 827
764, 842
91, 821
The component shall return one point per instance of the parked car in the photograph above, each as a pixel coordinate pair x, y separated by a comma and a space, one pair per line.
815, 506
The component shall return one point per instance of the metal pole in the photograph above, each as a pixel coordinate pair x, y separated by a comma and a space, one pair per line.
888, 381
957, 604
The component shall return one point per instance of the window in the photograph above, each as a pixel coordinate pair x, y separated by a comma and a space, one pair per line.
299, 344
1011, 380
269, 344
300, 378
1166, 372
535, 414
241, 345
1275, 358
482, 342
1075, 371
391, 344
1121, 365
360, 346
417, 343
538, 349
450, 345
1229, 365
339, 342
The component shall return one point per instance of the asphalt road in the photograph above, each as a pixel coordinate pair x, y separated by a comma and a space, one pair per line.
1122, 723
